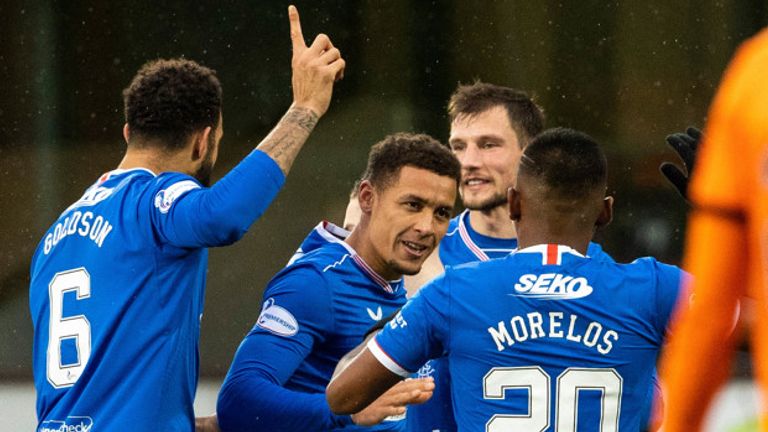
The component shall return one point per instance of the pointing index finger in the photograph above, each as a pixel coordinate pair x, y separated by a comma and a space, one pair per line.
297, 38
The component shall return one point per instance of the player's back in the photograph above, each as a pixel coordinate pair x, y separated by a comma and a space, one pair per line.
116, 311
555, 340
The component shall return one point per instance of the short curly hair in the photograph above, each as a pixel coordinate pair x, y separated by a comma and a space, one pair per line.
407, 149
170, 99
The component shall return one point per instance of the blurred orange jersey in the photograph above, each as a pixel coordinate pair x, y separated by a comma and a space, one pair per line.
727, 243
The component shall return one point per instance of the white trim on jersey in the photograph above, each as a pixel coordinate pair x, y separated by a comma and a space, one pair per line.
335, 234
332, 232
551, 254
471, 245
104, 177
385, 359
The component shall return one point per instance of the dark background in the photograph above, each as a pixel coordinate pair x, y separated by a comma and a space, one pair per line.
627, 73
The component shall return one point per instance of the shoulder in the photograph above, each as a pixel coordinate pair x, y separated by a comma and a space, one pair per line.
453, 225
649, 272
168, 187
595, 251
650, 264
324, 257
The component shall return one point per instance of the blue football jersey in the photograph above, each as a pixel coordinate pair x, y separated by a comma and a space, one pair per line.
461, 245
116, 296
556, 341
314, 312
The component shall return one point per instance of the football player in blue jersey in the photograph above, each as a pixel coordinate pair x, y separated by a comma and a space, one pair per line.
490, 126
319, 307
557, 340
117, 282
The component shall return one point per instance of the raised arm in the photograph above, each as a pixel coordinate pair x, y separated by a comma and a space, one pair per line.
315, 69
222, 214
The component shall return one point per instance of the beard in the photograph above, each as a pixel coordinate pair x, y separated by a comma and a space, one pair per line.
488, 204
402, 270
203, 174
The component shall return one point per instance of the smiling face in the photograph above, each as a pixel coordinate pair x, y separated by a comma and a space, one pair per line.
489, 150
408, 218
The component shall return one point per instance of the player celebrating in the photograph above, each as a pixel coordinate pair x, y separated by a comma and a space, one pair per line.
117, 282
319, 307
557, 339
490, 127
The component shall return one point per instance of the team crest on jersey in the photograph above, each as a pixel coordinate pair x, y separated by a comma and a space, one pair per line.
426, 371
552, 286
165, 198
277, 319
72, 423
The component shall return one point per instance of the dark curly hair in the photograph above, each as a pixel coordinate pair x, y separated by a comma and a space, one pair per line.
526, 118
406, 149
168, 100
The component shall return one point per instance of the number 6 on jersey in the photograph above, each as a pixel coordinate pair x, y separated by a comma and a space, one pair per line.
72, 327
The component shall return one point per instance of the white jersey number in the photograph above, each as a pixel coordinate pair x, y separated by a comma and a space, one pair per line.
569, 383
72, 327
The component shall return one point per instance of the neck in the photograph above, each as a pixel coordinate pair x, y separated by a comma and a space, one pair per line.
493, 223
575, 239
154, 160
361, 243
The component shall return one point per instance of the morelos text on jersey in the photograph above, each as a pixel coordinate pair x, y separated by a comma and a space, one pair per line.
543, 339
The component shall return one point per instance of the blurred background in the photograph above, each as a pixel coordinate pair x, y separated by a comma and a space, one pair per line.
628, 73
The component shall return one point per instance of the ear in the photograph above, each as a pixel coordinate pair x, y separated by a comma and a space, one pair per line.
606, 213
200, 143
126, 133
366, 197
513, 198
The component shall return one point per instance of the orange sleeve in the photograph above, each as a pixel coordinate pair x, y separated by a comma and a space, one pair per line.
696, 361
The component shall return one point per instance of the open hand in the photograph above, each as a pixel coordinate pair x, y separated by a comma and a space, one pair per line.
394, 401
685, 144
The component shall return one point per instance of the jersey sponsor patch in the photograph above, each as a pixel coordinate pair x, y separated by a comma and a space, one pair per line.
277, 319
552, 286
72, 423
165, 198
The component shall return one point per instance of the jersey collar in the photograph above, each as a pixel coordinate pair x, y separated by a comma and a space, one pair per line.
332, 233
467, 239
107, 175
551, 254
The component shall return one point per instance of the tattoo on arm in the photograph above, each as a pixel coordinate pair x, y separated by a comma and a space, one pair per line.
304, 117
288, 137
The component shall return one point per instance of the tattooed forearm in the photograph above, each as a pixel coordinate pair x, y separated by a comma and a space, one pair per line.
290, 134
304, 117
